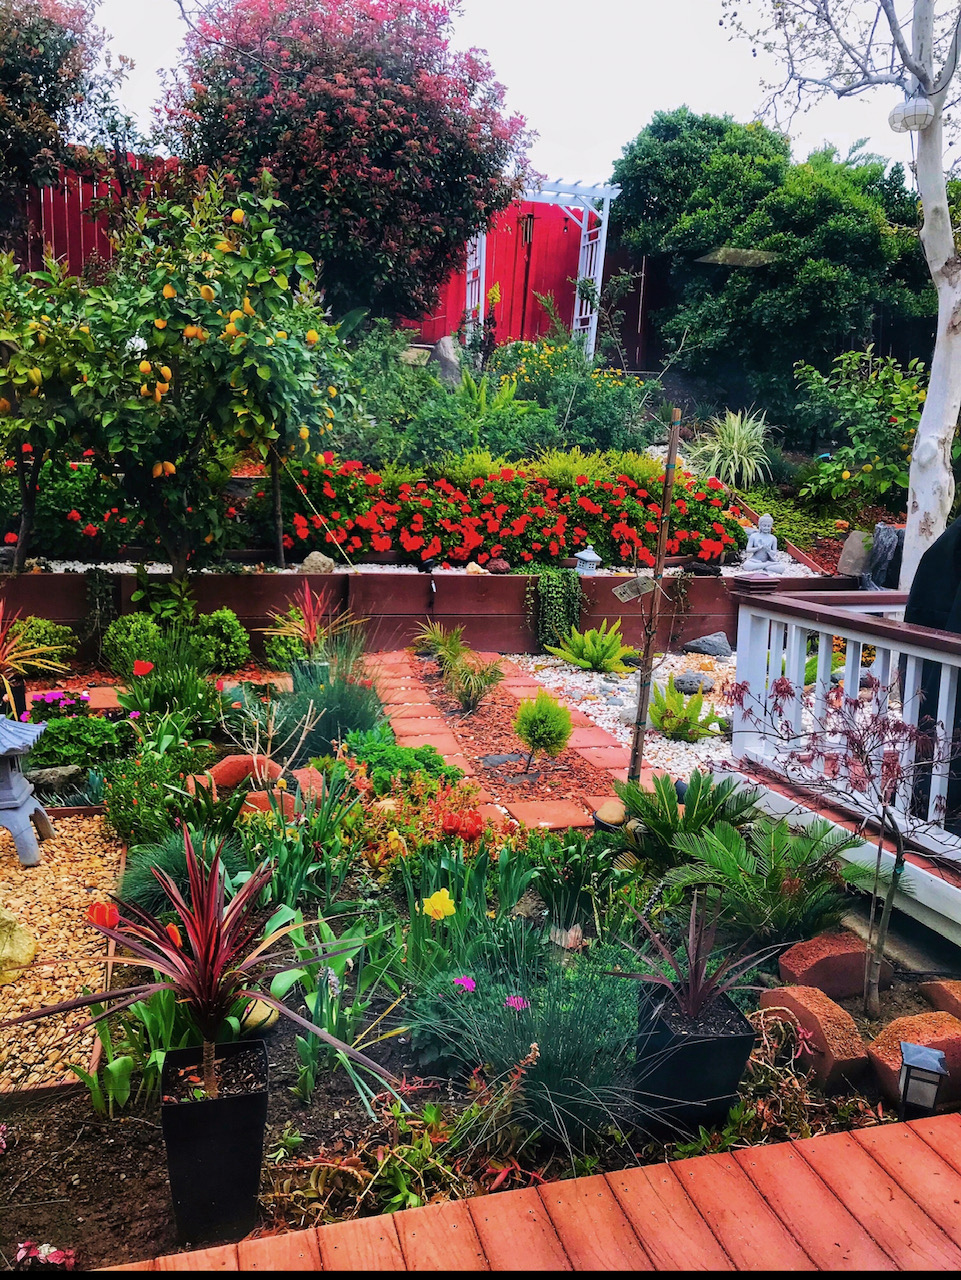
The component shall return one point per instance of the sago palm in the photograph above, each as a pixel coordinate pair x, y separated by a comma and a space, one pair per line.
656, 817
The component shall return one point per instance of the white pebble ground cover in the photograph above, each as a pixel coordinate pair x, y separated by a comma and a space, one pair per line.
611, 700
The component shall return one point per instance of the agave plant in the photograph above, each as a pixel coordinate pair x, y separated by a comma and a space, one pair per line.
776, 883
732, 447
655, 817
597, 649
210, 960
16, 657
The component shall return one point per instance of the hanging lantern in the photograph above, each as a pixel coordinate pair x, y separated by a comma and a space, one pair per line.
911, 116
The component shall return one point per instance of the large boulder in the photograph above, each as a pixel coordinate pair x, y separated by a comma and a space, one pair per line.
444, 355
832, 962
833, 1048
18, 946
714, 645
937, 1030
856, 553
56, 778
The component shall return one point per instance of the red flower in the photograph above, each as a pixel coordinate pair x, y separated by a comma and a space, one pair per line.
714, 483
9, 538
450, 824
103, 914
90, 530
142, 668
173, 933
26, 448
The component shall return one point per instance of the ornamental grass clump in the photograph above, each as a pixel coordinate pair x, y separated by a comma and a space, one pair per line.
208, 957
471, 681
542, 724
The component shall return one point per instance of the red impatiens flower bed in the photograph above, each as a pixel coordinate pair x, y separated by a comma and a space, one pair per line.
510, 513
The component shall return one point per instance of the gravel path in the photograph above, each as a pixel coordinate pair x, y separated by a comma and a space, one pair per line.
80, 865
610, 701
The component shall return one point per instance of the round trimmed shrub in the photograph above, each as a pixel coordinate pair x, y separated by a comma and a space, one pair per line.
39, 633
133, 636
229, 641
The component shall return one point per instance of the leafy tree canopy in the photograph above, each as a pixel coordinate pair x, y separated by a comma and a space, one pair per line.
843, 233
390, 149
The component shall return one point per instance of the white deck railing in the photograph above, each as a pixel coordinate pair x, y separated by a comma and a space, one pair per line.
892, 742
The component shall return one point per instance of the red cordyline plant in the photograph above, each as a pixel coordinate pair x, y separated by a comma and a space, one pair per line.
211, 960
694, 985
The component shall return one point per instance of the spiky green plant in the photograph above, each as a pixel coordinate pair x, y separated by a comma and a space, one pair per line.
656, 817
773, 883
446, 644
732, 447
678, 717
597, 649
471, 682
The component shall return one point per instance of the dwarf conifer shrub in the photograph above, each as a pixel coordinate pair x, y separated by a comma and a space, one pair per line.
542, 724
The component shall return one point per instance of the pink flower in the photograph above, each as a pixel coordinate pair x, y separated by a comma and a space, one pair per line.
467, 983
516, 1002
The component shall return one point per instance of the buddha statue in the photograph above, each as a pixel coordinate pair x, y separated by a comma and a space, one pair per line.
761, 551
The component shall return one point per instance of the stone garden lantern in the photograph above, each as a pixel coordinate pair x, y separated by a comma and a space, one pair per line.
19, 807
588, 561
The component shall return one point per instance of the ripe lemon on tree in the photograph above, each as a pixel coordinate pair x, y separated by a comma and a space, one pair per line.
169, 291
145, 366
312, 336
207, 293
165, 372
237, 217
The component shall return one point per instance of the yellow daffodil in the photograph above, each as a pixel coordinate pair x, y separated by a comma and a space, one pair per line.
438, 905
396, 844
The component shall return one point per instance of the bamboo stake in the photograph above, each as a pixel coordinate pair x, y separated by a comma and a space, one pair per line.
650, 631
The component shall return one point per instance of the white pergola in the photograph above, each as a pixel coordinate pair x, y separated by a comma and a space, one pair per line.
589, 207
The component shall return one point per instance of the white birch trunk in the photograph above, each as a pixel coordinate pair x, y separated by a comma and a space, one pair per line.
931, 487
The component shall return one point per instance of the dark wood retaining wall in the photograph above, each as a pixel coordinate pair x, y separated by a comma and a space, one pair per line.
497, 613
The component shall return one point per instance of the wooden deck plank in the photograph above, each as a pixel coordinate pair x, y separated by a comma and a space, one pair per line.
366, 1244
751, 1234
817, 1219
516, 1232
440, 1237
595, 1233
666, 1222
219, 1258
943, 1135
888, 1214
291, 1251
918, 1169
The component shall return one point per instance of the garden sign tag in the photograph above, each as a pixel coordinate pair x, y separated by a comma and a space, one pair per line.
633, 589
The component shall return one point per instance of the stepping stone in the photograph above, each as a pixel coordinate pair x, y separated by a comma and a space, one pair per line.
458, 761
553, 815
103, 698
521, 689
612, 757
595, 737
445, 743
414, 711
493, 813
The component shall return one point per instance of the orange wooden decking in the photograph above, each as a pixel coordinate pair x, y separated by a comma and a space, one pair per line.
884, 1199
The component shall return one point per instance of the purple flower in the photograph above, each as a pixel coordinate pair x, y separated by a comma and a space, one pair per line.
516, 1002
85, 697
37, 697
134, 715
467, 983
24, 716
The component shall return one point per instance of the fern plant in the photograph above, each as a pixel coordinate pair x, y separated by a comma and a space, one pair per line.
772, 883
597, 649
656, 817
471, 682
732, 447
542, 724
678, 717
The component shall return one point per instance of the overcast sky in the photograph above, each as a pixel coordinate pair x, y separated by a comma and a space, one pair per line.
587, 74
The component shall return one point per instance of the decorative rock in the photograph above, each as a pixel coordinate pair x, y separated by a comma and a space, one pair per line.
611, 812
202, 780
614, 701
834, 1049
475, 568
498, 566
311, 781
689, 682
258, 1016
944, 995
938, 1030
54, 778
231, 771
259, 802
444, 354
832, 962
18, 947
855, 553
714, 645
317, 562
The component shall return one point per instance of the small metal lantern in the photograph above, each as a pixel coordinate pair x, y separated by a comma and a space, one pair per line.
588, 561
922, 1070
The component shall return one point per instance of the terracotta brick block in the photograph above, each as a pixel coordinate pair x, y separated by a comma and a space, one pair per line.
231, 771
459, 761
944, 995
414, 711
835, 1050
259, 801
104, 698
613, 757
832, 962
555, 815
521, 689
937, 1030
445, 743
493, 813
311, 781
593, 737
202, 780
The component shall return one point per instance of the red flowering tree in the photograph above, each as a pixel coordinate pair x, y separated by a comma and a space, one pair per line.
390, 149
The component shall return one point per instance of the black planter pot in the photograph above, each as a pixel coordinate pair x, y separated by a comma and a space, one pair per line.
215, 1150
19, 690
686, 1080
